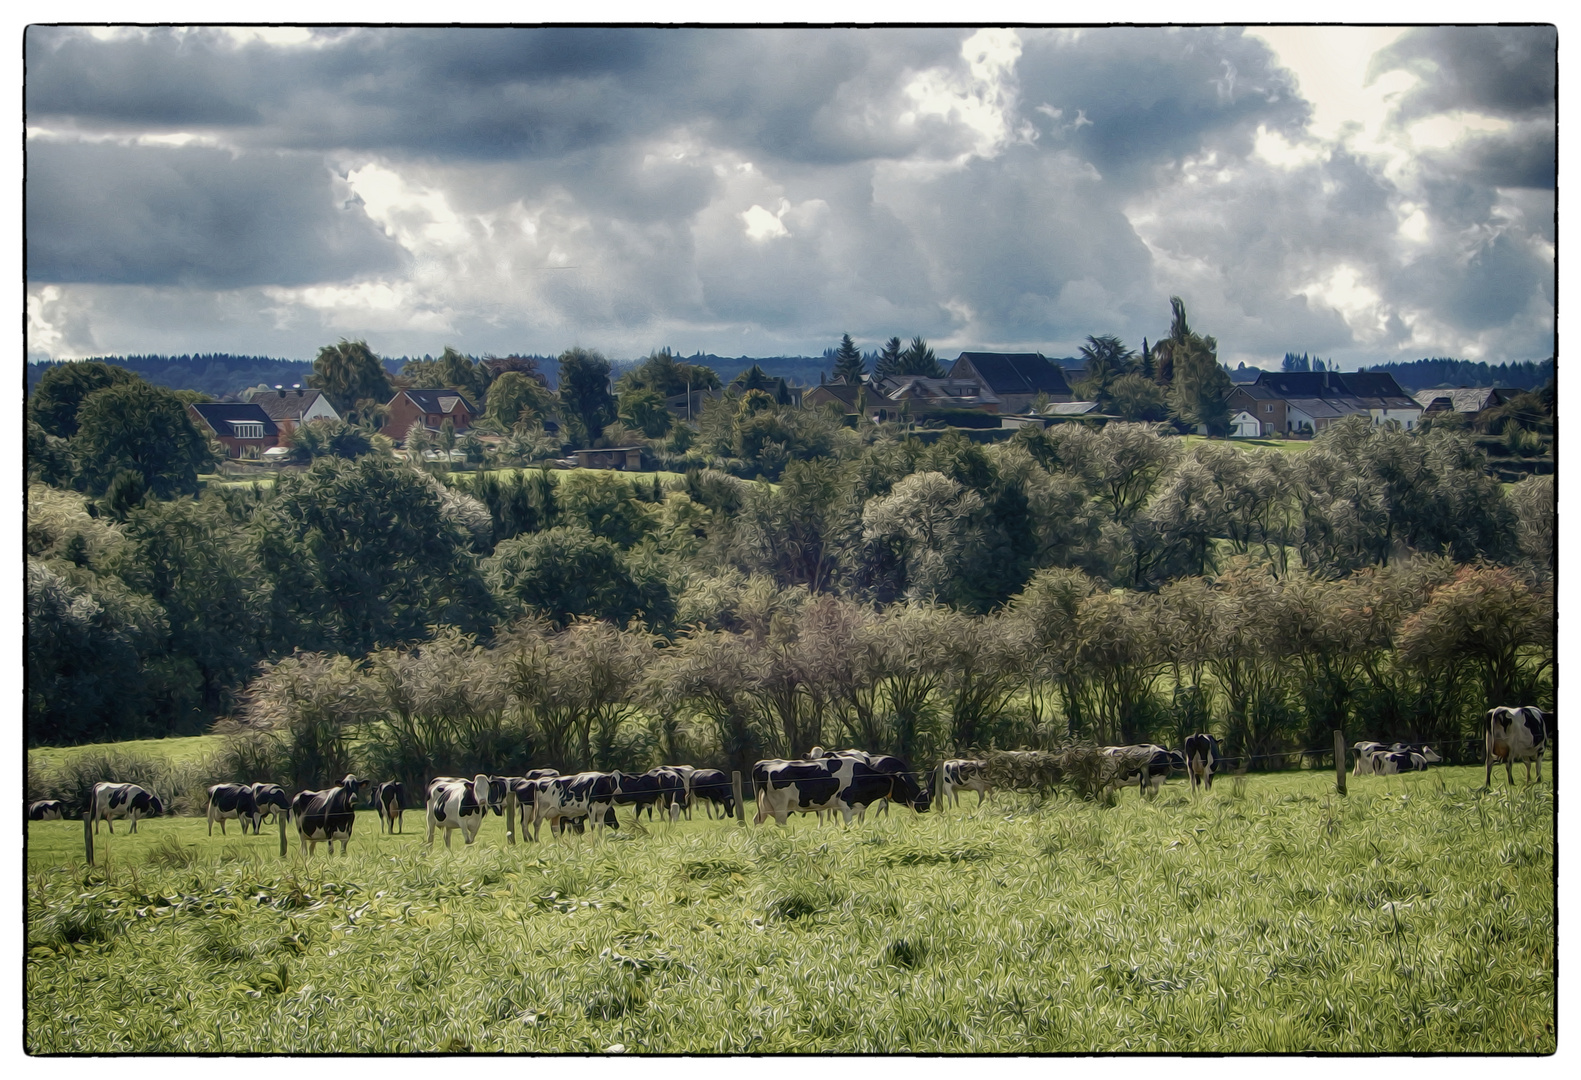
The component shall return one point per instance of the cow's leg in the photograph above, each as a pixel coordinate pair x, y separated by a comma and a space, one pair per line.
447, 839
133, 816
1509, 769
430, 829
222, 827
109, 823
343, 841
1487, 754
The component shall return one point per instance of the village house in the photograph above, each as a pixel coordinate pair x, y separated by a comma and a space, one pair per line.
922, 395
290, 409
875, 405
432, 407
1467, 400
1016, 379
1307, 402
243, 428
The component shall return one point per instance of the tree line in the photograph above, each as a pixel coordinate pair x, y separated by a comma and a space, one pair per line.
1110, 582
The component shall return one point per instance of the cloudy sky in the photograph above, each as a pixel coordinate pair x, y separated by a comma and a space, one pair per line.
1362, 193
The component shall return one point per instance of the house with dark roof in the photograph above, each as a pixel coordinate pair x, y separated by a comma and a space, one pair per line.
291, 408
921, 394
846, 397
432, 408
1307, 402
243, 428
1016, 379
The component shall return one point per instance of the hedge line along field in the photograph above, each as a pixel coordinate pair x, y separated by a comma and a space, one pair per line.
1417, 914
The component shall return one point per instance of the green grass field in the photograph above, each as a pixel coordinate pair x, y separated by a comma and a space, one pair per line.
177, 750
1416, 914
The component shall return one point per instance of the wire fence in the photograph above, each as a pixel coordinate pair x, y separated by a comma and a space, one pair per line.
1242, 762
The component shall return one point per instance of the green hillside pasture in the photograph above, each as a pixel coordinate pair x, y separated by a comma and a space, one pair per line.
177, 751
1415, 915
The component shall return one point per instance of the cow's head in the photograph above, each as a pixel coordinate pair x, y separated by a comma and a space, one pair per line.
905, 789
155, 807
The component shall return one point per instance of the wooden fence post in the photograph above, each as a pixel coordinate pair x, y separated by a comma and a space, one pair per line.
279, 816
510, 817
735, 785
1339, 760
87, 833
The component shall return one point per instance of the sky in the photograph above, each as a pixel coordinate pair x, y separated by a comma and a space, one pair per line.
1363, 194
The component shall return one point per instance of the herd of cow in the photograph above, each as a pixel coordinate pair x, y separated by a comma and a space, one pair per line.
826, 782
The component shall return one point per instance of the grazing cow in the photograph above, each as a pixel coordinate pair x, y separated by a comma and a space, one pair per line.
328, 815
1203, 760
1145, 764
271, 799
685, 772
1514, 734
46, 810
715, 789
390, 801
111, 801
584, 795
233, 801
968, 773
662, 786
842, 783
460, 804
526, 794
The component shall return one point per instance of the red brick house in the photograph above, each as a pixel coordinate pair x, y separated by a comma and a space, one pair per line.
432, 407
243, 428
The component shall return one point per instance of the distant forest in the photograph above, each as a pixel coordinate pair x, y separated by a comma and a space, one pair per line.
1426, 374
222, 374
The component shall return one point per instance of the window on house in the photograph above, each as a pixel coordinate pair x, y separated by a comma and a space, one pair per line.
1268, 408
243, 429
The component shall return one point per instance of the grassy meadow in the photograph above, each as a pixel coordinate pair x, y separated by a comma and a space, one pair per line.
1416, 914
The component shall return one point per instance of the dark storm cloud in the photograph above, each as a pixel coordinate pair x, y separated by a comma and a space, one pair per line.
1502, 70
99, 212
1152, 95
492, 94
597, 184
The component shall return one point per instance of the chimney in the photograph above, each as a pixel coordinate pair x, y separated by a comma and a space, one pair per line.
279, 389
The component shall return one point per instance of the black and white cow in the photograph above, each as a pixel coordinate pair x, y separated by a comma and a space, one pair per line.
46, 810
714, 789
583, 795
1364, 752
685, 772
460, 804
328, 815
389, 801
1390, 762
526, 790
969, 774
1144, 764
271, 799
662, 787
1417, 748
111, 801
1203, 760
842, 783
1513, 734
233, 801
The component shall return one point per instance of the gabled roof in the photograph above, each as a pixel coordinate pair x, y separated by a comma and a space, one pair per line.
1461, 399
220, 415
1013, 373
846, 394
439, 401
1332, 384
288, 404
1071, 408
